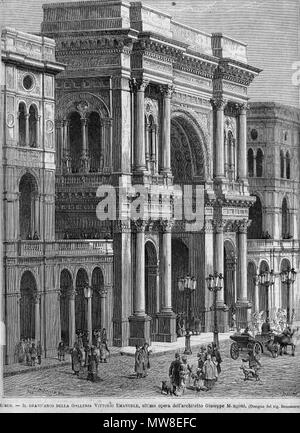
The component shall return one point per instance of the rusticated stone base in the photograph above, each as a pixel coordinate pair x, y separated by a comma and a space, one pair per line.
139, 330
166, 331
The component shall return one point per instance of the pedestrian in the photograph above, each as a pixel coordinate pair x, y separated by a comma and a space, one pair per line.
103, 351
61, 351
138, 364
209, 372
27, 352
76, 359
202, 356
174, 374
86, 351
253, 366
39, 351
92, 365
146, 358
199, 381
186, 372
33, 353
216, 357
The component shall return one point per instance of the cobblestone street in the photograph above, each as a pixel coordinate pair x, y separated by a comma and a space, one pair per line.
280, 377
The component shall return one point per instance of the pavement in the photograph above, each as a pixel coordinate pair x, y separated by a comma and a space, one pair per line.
157, 348
280, 377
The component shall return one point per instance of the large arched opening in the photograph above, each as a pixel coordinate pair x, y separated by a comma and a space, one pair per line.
80, 301
151, 276
22, 124
95, 142
28, 300
229, 275
180, 268
75, 140
66, 285
97, 286
263, 291
285, 291
285, 220
28, 206
251, 285
255, 216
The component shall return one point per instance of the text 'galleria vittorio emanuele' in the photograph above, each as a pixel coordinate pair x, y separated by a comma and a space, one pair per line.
115, 93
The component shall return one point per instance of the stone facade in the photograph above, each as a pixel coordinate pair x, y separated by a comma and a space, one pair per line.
273, 169
144, 106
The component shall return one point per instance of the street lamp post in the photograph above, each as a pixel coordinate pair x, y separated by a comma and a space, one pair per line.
88, 292
288, 277
214, 284
188, 285
266, 279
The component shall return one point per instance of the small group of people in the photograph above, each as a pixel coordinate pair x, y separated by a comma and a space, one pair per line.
34, 237
181, 373
84, 354
29, 353
142, 360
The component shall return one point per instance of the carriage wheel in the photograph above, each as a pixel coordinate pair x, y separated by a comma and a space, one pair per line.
234, 351
257, 350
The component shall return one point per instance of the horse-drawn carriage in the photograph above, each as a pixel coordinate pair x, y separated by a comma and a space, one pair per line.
257, 344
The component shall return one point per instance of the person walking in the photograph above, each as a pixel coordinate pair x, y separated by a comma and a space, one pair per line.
146, 359
186, 372
33, 354
76, 359
39, 351
61, 351
216, 356
209, 372
138, 362
175, 374
92, 365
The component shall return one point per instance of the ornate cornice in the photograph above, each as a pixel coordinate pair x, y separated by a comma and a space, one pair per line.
227, 70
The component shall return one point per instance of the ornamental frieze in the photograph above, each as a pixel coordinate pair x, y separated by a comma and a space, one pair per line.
87, 62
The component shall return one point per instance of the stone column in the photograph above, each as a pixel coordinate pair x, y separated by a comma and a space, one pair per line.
140, 157
166, 318
242, 145
37, 317
85, 166
219, 255
167, 92
243, 305
27, 129
89, 314
147, 144
227, 160
37, 131
222, 309
256, 294
72, 323
218, 107
103, 296
139, 321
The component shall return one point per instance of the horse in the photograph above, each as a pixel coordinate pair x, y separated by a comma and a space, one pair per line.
287, 340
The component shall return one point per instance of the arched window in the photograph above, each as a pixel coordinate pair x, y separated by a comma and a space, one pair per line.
95, 142
259, 163
22, 124
28, 207
285, 222
288, 165
255, 215
75, 138
33, 122
281, 164
250, 163
150, 144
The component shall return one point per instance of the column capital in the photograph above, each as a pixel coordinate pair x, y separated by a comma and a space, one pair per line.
37, 298
82, 107
243, 225
218, 103
219, 224
138, 84
242, 108
166, 225
71, 294
139, 225
208, 226
167, 90
103, 291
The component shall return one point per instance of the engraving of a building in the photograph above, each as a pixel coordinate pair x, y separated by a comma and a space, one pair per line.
129, 98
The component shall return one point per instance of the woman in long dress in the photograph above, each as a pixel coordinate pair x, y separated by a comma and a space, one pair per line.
209, 372
76, 359
139, 359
